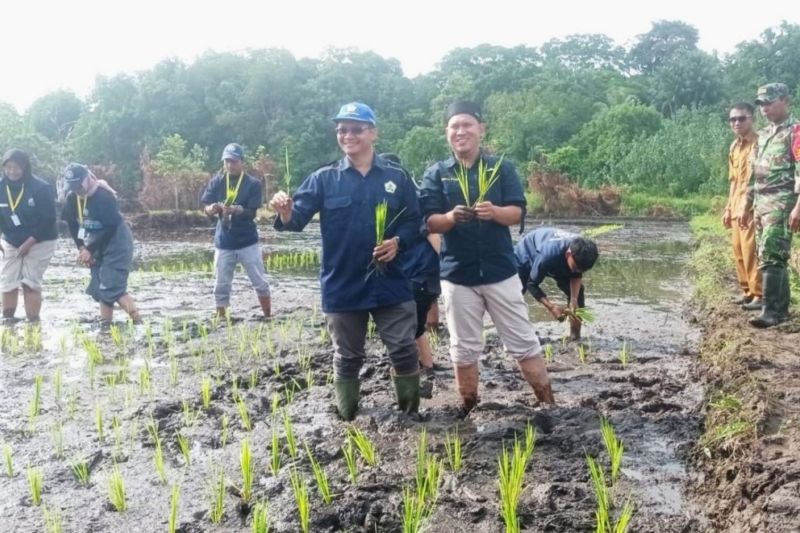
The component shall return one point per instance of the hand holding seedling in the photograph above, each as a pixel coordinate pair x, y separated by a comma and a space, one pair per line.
282, 204
386, 251
230, 210
85, 257
461, 214
214, 209
485, 210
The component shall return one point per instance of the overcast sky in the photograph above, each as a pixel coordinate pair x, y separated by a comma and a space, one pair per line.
47, 45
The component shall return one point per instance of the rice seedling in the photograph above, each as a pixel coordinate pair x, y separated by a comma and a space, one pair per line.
246, 463
624, 354
511, 468
116, 490
217, 510
413, 510
593, 233
548, 352
302, 499
349, 453
184, 448
582, 353
244, 415
624, 518
35, 479
117, 338
9, 460
173, 369
98, 422
35, 406
381, 226
321, 478
260, 518
57, 384
72, 404
224, 436
117, 429
205, 392
530, 442
172, 524
598, 479
452, 448
144, 379
581, 314
726, 402
275, 455
32, 336
614, 447
53, 522
158, 453
288, 431
364, 445
253, 378
487, 178
57, 436
80, 471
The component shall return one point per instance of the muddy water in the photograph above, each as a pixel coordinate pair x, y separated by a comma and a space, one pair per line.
152, 374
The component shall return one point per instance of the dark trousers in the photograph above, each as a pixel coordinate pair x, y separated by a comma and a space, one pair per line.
395, 325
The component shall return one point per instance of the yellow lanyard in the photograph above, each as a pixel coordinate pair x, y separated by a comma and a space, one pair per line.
81, 207
14, 203
231, 194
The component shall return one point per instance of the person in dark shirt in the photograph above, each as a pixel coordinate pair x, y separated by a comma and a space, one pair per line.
478, 271
103, 238
421, 264
233, 197
28, 226
360, 278
563, 256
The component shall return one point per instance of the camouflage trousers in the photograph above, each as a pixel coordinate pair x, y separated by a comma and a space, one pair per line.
773, 236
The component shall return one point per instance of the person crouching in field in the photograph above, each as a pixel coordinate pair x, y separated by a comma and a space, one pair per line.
28, 225
563, 256
103, 238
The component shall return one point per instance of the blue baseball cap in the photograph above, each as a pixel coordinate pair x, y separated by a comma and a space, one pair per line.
233, 151
357, 112
74, 174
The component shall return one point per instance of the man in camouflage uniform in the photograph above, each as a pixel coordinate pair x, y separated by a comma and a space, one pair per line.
773, 193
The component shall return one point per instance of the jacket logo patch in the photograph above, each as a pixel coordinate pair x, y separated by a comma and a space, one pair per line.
390, 187
31, 203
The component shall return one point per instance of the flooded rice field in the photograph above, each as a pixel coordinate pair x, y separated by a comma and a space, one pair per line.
209, 425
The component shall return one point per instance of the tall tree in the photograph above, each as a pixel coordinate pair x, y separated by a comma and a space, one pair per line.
655, 48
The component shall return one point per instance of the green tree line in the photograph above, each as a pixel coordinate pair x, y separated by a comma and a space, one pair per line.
649, 118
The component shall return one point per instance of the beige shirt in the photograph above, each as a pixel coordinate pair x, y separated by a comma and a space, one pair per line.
740, 159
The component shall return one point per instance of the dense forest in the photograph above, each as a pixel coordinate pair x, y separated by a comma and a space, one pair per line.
649, 118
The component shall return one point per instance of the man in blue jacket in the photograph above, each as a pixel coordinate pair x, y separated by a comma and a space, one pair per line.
234, 197
563, 256
360, 277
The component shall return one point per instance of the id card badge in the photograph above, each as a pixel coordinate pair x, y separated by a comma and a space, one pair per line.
15, 220
82, 234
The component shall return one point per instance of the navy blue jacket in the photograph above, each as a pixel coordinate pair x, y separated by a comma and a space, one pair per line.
346, 203
36, 210
421, 264
476, 252
541, 254
101, 219
242, 232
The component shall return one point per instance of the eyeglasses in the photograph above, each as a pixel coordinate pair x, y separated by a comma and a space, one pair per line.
355, 130
740, 118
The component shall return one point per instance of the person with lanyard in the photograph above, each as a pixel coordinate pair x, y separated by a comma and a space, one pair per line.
563, 256
103, 238
359, 275
421, 263
28, 225
478, 269
233, 197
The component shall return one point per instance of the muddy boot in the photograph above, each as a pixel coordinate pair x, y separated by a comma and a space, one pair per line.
347, 392
467, 383
535, 373
756, 304
266, 305
574, 330
776, 298
741, 300
407, 390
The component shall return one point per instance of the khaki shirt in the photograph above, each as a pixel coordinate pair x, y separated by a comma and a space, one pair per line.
740, 158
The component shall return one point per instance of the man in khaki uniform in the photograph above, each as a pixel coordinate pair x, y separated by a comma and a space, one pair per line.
744, 239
